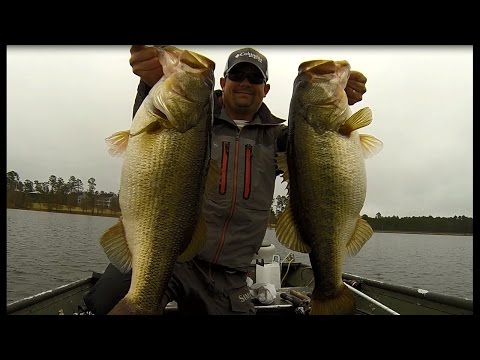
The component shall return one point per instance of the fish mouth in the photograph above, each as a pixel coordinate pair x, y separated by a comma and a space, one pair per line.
321, 67
196, 61
190, 58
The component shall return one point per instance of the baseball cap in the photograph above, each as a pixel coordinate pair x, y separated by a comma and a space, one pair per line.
248, 55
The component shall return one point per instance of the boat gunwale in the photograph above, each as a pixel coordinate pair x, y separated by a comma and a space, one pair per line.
456, 301
48, 294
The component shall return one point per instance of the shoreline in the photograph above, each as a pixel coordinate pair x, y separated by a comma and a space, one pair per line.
422, 233
409, 232
77, 212
73, 212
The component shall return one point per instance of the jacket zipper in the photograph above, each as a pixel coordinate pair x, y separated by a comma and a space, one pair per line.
232, 208
247, 183
223, 180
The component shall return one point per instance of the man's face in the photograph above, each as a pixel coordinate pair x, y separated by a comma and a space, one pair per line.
244, 89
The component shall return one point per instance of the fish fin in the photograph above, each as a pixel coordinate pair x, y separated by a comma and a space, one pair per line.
198, 241
343, 303
362, 233
115, 245
359, 119
282, 165
288, 234
148, 123
117, 142
370, 145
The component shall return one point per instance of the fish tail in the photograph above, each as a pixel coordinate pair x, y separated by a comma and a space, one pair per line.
125, 307
342, 303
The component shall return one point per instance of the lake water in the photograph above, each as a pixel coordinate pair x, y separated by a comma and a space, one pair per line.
438, 263
46, 250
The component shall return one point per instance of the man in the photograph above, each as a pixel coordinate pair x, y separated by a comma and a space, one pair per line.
245, 139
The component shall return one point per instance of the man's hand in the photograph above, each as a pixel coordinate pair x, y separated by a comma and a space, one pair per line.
144, 63
355, 87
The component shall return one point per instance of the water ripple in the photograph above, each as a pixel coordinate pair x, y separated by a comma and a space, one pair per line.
45, 250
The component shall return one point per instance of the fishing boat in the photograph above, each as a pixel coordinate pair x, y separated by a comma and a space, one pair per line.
292, 295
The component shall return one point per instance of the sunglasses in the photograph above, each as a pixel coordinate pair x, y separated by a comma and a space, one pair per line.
253, 78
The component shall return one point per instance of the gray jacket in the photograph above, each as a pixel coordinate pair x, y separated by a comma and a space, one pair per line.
237, 211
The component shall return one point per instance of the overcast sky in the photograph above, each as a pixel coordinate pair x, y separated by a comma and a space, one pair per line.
63, 101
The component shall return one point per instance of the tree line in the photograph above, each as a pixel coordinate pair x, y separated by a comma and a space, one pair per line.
423, 224
56, 193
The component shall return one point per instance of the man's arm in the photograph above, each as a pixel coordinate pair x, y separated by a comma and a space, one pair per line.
144, 62
142, 91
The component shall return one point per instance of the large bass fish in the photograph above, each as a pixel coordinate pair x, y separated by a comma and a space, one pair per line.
163, 178
326, 180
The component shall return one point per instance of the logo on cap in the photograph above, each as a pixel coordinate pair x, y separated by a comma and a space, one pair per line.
249, 54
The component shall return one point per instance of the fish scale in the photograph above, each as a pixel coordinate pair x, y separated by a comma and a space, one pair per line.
326, 177
152, 198
167, 152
